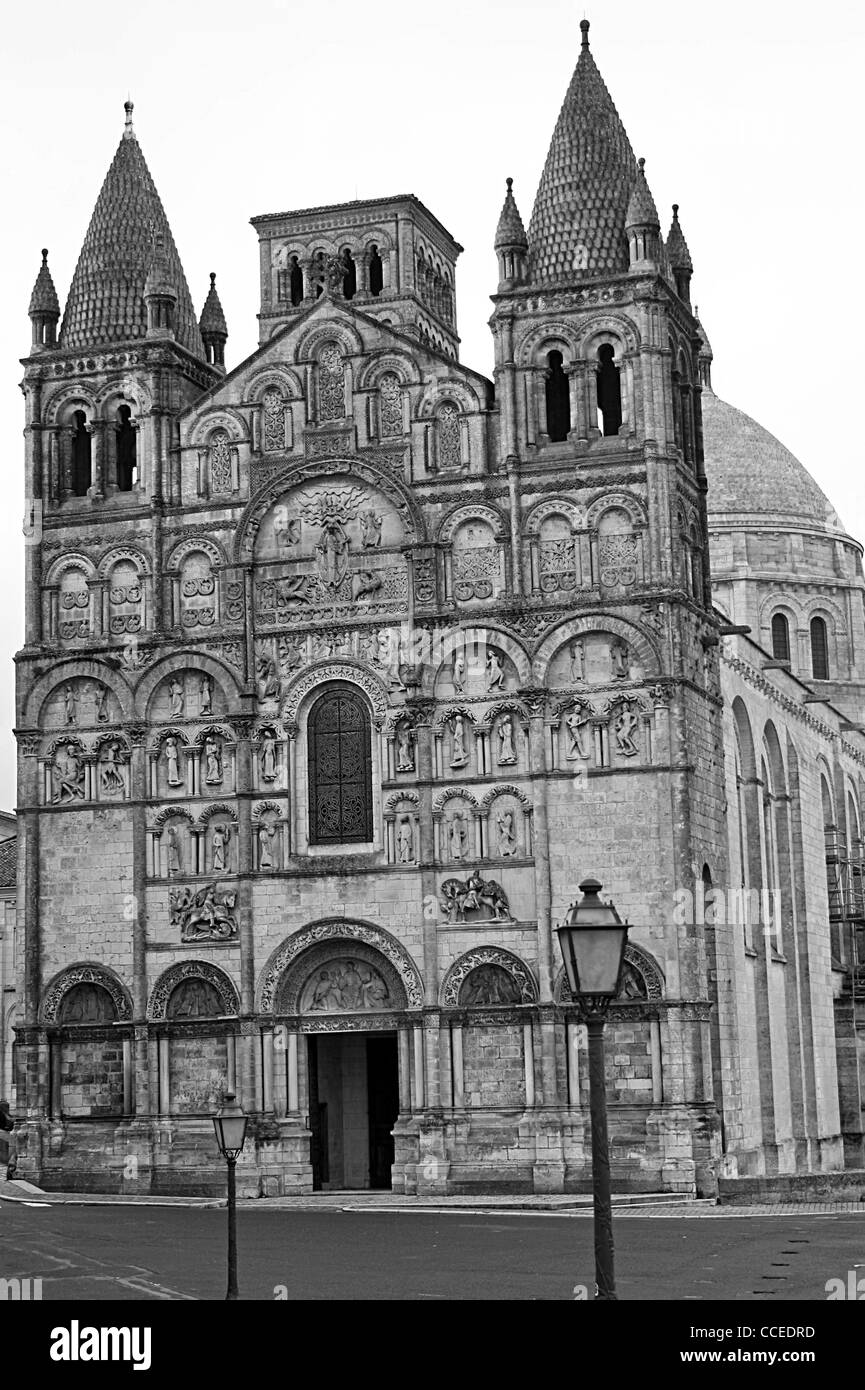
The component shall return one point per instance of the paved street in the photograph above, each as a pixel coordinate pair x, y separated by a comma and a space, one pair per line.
154, 1252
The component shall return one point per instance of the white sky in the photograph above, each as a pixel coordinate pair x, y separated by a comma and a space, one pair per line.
748, 115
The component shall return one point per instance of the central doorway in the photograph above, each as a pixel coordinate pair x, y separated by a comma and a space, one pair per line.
353, 1107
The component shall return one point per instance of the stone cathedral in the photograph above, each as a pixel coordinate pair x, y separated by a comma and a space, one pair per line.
344, 667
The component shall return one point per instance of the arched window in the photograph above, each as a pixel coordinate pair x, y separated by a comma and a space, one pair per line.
273, 421
390, 406
340, 769
819, 650
126, 443
609, 390
558, 399
331, 383
780, 637
220, 462
449, 441
295, 281
80, 455
376, 272
349, 280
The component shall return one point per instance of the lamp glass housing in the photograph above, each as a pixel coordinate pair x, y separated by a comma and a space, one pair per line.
592, 939
229, 1124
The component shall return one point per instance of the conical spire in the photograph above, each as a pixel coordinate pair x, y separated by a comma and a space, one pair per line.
44, 299
680, 258
705, 356
214, 329
641, 205
212, 317
677, 247
578, 222
510, 232
106, 300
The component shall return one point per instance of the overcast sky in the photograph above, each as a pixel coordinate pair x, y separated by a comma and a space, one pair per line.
748, 115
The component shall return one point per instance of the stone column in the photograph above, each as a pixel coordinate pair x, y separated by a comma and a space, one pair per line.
139, 789
248, 1028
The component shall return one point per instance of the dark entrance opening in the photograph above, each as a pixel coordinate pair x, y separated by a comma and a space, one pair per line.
353, 1107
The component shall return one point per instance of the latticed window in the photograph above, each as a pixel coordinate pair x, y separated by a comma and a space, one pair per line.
450, 454
391, 405
340, 770
780, 637
331, 384
273, 409
220, 462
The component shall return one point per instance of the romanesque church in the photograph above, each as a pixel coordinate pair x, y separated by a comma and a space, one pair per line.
345, 665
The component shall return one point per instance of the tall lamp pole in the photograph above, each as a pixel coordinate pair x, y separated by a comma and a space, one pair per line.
592, 939
229, 1124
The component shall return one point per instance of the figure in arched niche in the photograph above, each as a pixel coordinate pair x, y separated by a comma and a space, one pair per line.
624, 729
102, 710
177, 698
212, 762
490, 985
267, 757
494, 672
194, 999
173, 854
405, 841
173, 772
68, 774
370, 529
206, 695
266, 834
70, 703
507, 840
507, 751
405, 749
620, 659
575, 724
459, 756
111, 772
459, 672
87, 1003
458, 836
578, 662
220, 840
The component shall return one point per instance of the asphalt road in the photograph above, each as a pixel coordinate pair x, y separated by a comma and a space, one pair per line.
141, 1253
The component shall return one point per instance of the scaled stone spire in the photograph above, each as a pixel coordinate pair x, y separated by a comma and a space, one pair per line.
641, 205
106, 301
510, 231
578, 222
680, 258
44, 299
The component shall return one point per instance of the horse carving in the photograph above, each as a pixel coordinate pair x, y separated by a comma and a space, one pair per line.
458, 897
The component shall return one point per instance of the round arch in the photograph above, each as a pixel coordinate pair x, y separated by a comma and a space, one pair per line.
175, 975
338, 932
84, 973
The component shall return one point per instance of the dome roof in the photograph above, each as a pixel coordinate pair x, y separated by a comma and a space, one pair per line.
751, 473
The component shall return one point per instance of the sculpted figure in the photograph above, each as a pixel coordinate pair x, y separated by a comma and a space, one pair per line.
268, 757
459, 756
265, 846
507, 845
177, 698
405, 752
405, 842
213, 762
575, 724
219, 847
458, 836
206, 695
578, 662
173, 852
495, 673
625, 727
507, 752
174, 779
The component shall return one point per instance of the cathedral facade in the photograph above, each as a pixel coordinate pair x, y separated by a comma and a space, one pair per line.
344, 667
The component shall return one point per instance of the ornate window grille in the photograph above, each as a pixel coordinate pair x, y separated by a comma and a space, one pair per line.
340, 770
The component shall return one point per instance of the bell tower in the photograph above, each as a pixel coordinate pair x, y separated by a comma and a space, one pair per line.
598, 382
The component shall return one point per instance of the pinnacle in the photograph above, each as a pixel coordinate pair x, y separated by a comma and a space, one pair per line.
510, 231
212, 317
641, 205
677, 247
44, 299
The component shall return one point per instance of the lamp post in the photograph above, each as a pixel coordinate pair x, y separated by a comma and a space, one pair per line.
229, 1124
593, 938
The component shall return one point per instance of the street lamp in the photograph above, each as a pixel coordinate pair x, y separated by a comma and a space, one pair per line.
592, 938
229, 1124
